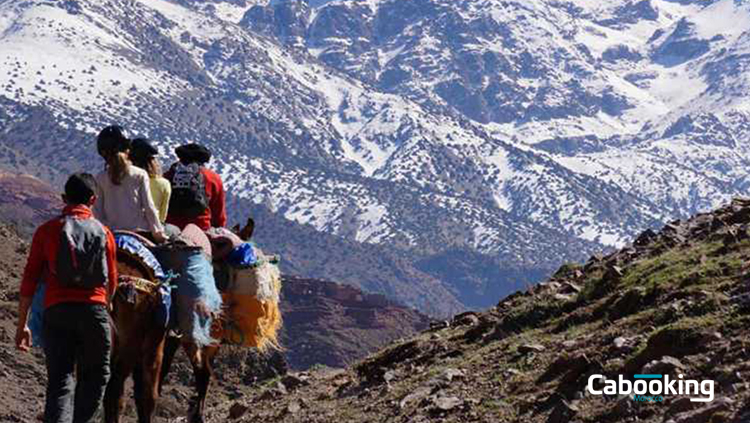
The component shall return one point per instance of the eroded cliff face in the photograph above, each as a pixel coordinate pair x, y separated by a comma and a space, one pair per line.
26, 201
332, 324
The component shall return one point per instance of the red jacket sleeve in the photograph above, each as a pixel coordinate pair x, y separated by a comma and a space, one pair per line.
34, 264
218, 206
111, 263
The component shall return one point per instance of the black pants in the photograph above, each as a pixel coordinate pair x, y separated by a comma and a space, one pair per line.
77, 343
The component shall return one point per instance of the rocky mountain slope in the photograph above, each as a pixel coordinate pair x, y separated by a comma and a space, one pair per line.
672, 303
529, 133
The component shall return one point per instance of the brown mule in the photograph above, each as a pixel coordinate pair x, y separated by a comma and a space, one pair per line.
201, 358
138, 346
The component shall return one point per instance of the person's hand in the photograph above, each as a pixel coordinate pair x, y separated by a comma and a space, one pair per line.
160, 237
23, 338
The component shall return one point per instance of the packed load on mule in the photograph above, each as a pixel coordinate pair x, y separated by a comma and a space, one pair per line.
197, 299
140, 270
250, 282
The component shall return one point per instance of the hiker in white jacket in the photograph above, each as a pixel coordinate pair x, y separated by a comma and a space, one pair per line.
123, 194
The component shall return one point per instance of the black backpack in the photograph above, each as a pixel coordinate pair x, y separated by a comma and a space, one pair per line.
82, 256
189, 197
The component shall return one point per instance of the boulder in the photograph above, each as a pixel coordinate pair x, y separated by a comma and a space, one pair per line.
563, 298
569, 344
272, 394
294, 381
450, 374
665, 365
570, 367
739, 215
237, 410
550, 286
620, 342
468, 318
614, 272
294, 407
477, 332
531, 348
646, 237
569, 288
281, 388
564, 412
628, 303
443, 403
681, 405
706, 414
568, 270
415, 396
674, 342
439, 325
390, 375
622, 345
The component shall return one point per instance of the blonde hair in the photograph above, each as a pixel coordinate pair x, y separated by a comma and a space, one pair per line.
117, 166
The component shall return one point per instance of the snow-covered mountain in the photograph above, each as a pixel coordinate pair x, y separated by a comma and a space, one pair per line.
531, 132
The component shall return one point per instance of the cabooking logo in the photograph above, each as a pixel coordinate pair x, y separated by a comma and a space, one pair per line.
651, 388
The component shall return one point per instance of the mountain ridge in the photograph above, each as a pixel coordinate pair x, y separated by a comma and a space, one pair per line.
533, 133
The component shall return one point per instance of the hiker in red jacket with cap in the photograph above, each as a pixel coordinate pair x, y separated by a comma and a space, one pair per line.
197, 193
75, 256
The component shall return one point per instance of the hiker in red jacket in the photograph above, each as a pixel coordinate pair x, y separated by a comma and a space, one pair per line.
75, 256
197, 193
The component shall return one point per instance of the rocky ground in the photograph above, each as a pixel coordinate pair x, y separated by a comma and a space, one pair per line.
676, 302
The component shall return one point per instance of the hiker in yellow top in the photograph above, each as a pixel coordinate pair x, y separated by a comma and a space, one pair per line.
143, 155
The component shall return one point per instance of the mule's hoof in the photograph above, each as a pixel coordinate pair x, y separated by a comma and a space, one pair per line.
195, 418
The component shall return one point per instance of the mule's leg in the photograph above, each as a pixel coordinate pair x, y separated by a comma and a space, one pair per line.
139, 391
171, 345
202, 360
195, 413
150, 372
124, 357
114, 400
